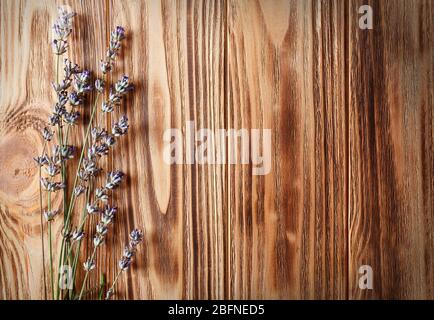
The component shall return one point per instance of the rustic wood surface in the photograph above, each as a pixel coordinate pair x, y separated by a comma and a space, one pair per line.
288, 231
391, 87
351, 116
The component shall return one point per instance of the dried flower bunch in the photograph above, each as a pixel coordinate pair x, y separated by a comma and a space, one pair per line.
72, 92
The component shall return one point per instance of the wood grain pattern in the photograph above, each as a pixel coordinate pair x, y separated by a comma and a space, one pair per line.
288, 228
27, 69
176, 59
391, 148
351, 119
25, 102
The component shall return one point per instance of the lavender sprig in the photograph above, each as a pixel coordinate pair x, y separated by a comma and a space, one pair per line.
98, 240
116, 36
136, 237
71, 93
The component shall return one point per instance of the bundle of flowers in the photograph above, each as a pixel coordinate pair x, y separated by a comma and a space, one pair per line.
60, 153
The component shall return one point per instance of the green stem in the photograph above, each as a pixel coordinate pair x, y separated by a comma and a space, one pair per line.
75, 261
50, 248
115, 281
51, 260
42, 225
57, 69
65, 141
63, 171
73, 196
64, 191
71, 206
83, 221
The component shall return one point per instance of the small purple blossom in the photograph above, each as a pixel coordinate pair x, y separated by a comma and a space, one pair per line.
114, 179
59, 46
63, 25
121, 127
75, 99
89, 265
77, 235
51, 186
82, 82
41, 160
123, 85
49, 215
47, 134
99, 85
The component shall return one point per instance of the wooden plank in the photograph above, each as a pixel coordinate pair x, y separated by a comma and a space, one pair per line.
27, 67
351, 119
287, 229
391, 150
175, 57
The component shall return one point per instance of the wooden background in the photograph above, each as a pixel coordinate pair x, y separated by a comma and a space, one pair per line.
351, 114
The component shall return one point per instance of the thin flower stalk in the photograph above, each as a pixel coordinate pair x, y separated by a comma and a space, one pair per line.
40, 161
136, 237
50, 237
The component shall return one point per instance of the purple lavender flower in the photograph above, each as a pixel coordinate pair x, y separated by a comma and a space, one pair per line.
136, 236
101, 149
101, 229
41, 160
61, 86
54, 120
90, 167
107, 107
108, 214
98, 240
105, 66
67, 152
71, 117
52, 169
129, 252
59, 46
62, 99
101, 194
70, 68
92, 209
123, 85
120, 128
89, 265
47, 134
83, 175
109, 140
114, 179
98, 134
124, 263
63, 25
79, 190
59, 109
99, 85
118, 34
82, 82
77, 235
114, 98
75, 99
49, 215
51, 186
